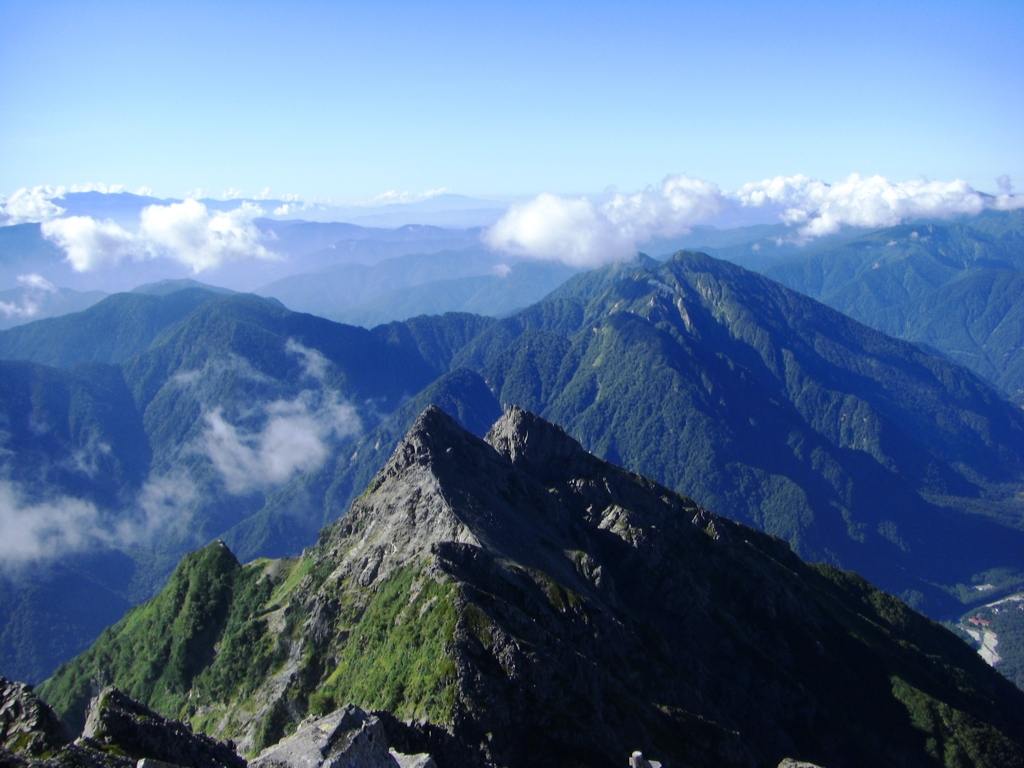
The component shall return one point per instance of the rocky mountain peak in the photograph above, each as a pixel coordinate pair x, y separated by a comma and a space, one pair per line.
433, 431
536, 446
522, 586
405, 510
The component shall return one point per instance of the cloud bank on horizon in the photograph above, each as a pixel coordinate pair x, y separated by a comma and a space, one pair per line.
587, 234
576, 231
186, 232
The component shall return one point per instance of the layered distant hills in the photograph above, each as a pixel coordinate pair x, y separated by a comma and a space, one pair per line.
158, 421
360, 275
293, 247
470, 280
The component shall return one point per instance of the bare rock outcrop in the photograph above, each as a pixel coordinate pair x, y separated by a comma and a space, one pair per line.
346, 738
27, 725
115, 719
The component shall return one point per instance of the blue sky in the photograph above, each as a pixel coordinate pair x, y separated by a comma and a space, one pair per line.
344, 101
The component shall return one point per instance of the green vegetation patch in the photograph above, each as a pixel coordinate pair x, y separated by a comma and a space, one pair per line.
561, 598
952, 737
245, 653
397, 656
156, 651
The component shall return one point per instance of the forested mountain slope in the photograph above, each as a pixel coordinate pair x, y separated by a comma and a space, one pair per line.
957, 288
258, 425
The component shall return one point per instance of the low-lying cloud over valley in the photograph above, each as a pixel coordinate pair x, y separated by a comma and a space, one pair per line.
33, 531
253, 436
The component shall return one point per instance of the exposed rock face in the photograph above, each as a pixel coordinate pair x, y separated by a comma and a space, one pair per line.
137, 731
346, 738
119, 732
27, 725
599, 611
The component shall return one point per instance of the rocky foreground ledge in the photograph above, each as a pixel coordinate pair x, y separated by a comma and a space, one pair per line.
122, 733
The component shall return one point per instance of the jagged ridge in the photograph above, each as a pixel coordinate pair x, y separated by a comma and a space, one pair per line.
519, 585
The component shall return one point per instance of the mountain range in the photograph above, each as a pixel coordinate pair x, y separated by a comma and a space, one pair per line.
360, 275
468, 280
956, 288
160, 422
293, 247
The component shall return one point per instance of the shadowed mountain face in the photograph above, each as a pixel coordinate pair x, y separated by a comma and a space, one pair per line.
857, 448
519, 585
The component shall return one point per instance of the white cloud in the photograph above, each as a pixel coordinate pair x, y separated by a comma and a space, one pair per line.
1006, 200
552, 227
162, 505
144, 192
391, 196
106, 189
89, 243
582, 234
665, 211
43, 530
38, 531
294, 436
817, 208
232, 193
313, 362
28, 306
186, 232
37, 282
31, 205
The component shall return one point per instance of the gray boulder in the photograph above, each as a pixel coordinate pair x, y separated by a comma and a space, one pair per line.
115, 720
346, 738
27, 725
